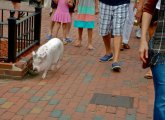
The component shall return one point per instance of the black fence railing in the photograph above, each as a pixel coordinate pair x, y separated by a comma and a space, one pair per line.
19, 34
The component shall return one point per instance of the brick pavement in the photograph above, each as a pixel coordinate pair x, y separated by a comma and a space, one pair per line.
66, 93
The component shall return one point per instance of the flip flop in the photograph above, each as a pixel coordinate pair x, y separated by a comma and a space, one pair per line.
148, 76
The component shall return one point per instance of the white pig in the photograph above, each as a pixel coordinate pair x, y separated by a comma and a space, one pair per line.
47, 56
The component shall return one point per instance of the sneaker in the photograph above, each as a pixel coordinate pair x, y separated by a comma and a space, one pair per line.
65, 41
106, 58
69, 40
138, 33
48, 37
116, 66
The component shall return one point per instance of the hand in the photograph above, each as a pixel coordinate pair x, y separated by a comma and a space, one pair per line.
138, 16
75, 9
143, 50
70, 3
96, 11
56, 1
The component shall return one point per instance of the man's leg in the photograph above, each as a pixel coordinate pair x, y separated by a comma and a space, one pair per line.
128, 26
117, 43
107, 43
105, 30
159, 84
119, 17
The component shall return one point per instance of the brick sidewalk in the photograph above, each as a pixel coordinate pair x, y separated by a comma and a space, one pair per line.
70, 93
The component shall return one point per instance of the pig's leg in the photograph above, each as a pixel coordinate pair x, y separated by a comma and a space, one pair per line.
44, 74
53, 66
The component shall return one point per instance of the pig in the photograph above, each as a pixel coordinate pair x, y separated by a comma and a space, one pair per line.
47, 56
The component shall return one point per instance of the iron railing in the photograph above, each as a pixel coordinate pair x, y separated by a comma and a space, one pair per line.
20, 34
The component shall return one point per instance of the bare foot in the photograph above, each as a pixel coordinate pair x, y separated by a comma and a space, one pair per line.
77, 43
90, 47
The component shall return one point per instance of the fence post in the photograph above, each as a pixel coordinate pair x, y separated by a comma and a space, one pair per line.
12, 38
37, 24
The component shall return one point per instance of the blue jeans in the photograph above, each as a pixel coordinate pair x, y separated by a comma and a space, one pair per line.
158, 72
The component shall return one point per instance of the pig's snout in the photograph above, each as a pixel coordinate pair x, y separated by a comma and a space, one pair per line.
35, 69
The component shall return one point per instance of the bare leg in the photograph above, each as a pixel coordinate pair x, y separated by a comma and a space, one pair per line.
78, 42
107, 43
51, 28
64, 30
58, 24
117, 44
68, 27
16, 6
90, 32
51, 24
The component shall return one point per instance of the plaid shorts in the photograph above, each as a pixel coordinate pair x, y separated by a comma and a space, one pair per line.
112, 19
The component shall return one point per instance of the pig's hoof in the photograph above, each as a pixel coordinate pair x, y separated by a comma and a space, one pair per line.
43, 76
32, 72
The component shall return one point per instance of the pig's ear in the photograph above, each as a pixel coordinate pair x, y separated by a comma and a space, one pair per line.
43, 55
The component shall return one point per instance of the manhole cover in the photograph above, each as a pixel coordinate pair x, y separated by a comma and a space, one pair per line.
112, 100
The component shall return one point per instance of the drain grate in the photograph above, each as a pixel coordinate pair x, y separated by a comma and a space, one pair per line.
112, 100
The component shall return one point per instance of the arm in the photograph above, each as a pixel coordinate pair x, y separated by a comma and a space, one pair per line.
96, 7
139, 6
146, 19
76, 6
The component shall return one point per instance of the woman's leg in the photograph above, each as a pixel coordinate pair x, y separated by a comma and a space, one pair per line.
78, 42
58, 24
90, 32
64, 30
68, 27
158, 72
17, 6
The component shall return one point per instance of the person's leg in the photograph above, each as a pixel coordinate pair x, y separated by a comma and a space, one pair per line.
119, 17
68, 27
64, 30
78, 42
128, 26
58, 24
105, 30
17, 6
158, 72
117, 44
107, 44
52, 24
90, 46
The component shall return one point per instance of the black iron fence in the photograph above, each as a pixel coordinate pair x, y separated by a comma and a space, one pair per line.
19, 35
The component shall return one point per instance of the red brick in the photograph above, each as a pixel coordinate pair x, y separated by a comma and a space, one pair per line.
17, 117
91, 108
30, 117
2, 72
6, 65
21, 65
111, 109
7, 115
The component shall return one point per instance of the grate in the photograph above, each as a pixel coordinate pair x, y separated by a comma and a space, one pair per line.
112, 100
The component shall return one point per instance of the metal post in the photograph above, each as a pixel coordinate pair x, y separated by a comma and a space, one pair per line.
12, 38
37, 24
